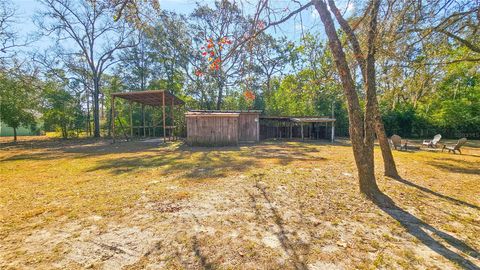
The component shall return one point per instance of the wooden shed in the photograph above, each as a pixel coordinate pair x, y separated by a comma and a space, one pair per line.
216, 128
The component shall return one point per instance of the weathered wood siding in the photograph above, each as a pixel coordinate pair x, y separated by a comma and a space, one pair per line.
248, 127
212, 130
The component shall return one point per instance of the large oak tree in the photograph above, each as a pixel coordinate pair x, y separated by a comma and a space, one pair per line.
91, 27
365, 121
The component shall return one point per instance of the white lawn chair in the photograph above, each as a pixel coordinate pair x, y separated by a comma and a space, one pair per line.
455, 147
432, 143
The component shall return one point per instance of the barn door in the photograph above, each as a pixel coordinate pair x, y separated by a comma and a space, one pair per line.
248, 127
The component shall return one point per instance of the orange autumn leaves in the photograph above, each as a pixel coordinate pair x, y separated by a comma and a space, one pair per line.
211, 51
249, 95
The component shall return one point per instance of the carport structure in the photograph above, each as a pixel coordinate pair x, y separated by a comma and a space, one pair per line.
288, 127
154, 98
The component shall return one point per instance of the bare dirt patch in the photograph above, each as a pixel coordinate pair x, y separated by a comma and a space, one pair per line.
275, 205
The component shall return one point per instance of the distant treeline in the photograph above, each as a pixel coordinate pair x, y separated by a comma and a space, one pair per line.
423, 88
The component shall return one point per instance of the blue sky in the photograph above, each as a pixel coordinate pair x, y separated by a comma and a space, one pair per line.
27, 8
307, 22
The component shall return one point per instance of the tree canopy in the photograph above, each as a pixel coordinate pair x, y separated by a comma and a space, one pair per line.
228, 55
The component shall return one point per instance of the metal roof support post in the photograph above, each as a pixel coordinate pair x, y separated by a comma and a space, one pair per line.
333, 131
258, 128
143, 119
302, 130
326, 130
131, 120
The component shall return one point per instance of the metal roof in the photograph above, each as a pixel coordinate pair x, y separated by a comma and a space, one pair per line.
211, 114
312, 119
305, 119
225, 111
151, 97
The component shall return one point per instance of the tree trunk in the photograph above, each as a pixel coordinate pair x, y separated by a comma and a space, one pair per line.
371, 85
96, 116
102, 107
361, 132
388, 161
371, 94
14, 134
64, 132
268, 83
220, 96
389, 165
89, 129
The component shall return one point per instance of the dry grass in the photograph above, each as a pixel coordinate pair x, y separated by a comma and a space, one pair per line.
275, 205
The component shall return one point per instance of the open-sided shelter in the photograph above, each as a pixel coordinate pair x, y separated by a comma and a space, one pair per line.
215, 128
288, 127
155, 98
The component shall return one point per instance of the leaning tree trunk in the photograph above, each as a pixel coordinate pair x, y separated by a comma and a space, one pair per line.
389, 165
371, 86
388, 161
14, 134
361, 132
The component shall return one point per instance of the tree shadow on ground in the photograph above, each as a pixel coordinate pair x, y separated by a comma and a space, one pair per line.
463, 154
283, 152
206, 165
82, 148
201, 162
429, 191
447, 212
341, 141
462, 166
281, 233
200, 256
31, 156
423, 231
42, 143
